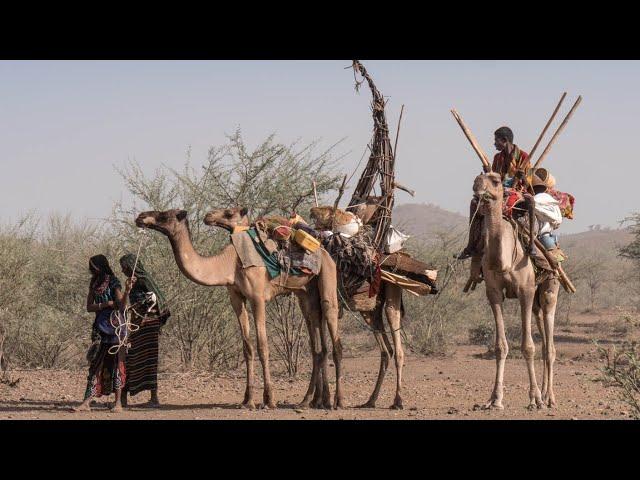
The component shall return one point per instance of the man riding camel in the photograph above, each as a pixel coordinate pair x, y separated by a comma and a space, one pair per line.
512, 164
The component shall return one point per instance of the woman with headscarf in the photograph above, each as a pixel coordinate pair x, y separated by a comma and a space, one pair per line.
107, 372
149, 313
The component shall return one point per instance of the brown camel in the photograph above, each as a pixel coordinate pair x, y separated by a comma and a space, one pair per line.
229, 218
317, 296
508, 271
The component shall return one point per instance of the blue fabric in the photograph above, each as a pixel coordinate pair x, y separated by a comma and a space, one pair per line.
549, 241
103, 324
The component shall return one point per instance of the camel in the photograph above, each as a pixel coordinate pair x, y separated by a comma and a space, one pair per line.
508, 271
230, 218
316, 294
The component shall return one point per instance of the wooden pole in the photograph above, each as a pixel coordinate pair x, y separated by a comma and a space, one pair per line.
474, 143
558, 131
315, 192
395, 145
335, 205
546, 127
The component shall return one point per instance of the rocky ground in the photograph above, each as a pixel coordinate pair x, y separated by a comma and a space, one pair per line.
446, 387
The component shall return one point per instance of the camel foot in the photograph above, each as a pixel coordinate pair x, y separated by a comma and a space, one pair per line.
338, 404
493, 404
82, 408
368, 404
397, 404
551, 403
268, 406
116, 408
302, 406
248, 404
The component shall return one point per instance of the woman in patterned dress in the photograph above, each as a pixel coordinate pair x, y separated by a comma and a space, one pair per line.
107, 373
149, 313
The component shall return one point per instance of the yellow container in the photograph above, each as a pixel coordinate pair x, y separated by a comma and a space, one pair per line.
306, 241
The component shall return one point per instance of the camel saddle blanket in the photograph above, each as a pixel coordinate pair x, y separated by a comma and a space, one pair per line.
510, 199
254, 252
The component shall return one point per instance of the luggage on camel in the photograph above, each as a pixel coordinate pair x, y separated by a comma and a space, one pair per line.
272, 242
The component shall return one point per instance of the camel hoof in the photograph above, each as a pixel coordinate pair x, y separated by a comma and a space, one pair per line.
82, 408
552, 404
268, 406
248, 405
493, 405
338, 405
368, 404
397, 405
302, 406
116, 409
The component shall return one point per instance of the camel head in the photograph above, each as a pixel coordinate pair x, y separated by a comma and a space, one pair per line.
227, 218
487, 188
168, 223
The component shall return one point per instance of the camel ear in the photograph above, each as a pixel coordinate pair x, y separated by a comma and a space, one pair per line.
244, 211
181, 215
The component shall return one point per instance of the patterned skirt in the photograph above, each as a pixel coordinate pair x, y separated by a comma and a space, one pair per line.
107, 372
142, 357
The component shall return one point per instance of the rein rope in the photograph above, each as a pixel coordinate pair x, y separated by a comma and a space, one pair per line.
123, 324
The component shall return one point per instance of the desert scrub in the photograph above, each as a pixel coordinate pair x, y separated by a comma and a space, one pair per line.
622, 371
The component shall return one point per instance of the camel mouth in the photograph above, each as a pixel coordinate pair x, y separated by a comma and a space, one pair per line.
484, 196
144, 221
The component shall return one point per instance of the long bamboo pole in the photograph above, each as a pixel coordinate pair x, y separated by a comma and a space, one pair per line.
558, 131
474, 143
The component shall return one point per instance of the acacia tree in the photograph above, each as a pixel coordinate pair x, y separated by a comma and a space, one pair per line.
632, 250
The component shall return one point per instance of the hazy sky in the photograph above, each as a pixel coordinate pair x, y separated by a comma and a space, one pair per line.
64, 125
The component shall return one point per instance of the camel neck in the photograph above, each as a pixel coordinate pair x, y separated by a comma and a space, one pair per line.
494, 231
217, 270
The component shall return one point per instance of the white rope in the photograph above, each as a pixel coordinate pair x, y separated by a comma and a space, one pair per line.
124, 325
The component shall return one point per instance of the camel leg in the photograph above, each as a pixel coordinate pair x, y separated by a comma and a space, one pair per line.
326, 391
259, 315
312, 320
392, 310
329, 301
527, 347
537, 312
374, 320
502, 349
238, 303
549, 300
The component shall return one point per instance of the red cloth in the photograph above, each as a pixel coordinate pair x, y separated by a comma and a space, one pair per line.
511, 198
566, 200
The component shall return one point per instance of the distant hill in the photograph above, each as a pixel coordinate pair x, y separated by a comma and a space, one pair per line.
425, 220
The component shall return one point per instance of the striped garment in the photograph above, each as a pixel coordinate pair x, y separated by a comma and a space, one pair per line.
142, 357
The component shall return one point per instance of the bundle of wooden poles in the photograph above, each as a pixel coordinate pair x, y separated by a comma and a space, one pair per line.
564, 279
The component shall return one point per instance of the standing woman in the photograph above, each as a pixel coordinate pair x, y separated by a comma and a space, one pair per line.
148, 312
107, 373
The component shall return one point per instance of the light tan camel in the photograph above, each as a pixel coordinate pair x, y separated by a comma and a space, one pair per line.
508, 271
229, 218
317, 296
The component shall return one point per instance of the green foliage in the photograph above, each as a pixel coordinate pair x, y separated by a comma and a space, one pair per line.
622, 371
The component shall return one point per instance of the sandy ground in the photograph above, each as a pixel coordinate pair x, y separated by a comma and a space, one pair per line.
434, 388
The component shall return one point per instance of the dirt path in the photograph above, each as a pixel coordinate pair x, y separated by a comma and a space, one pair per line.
435, 388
